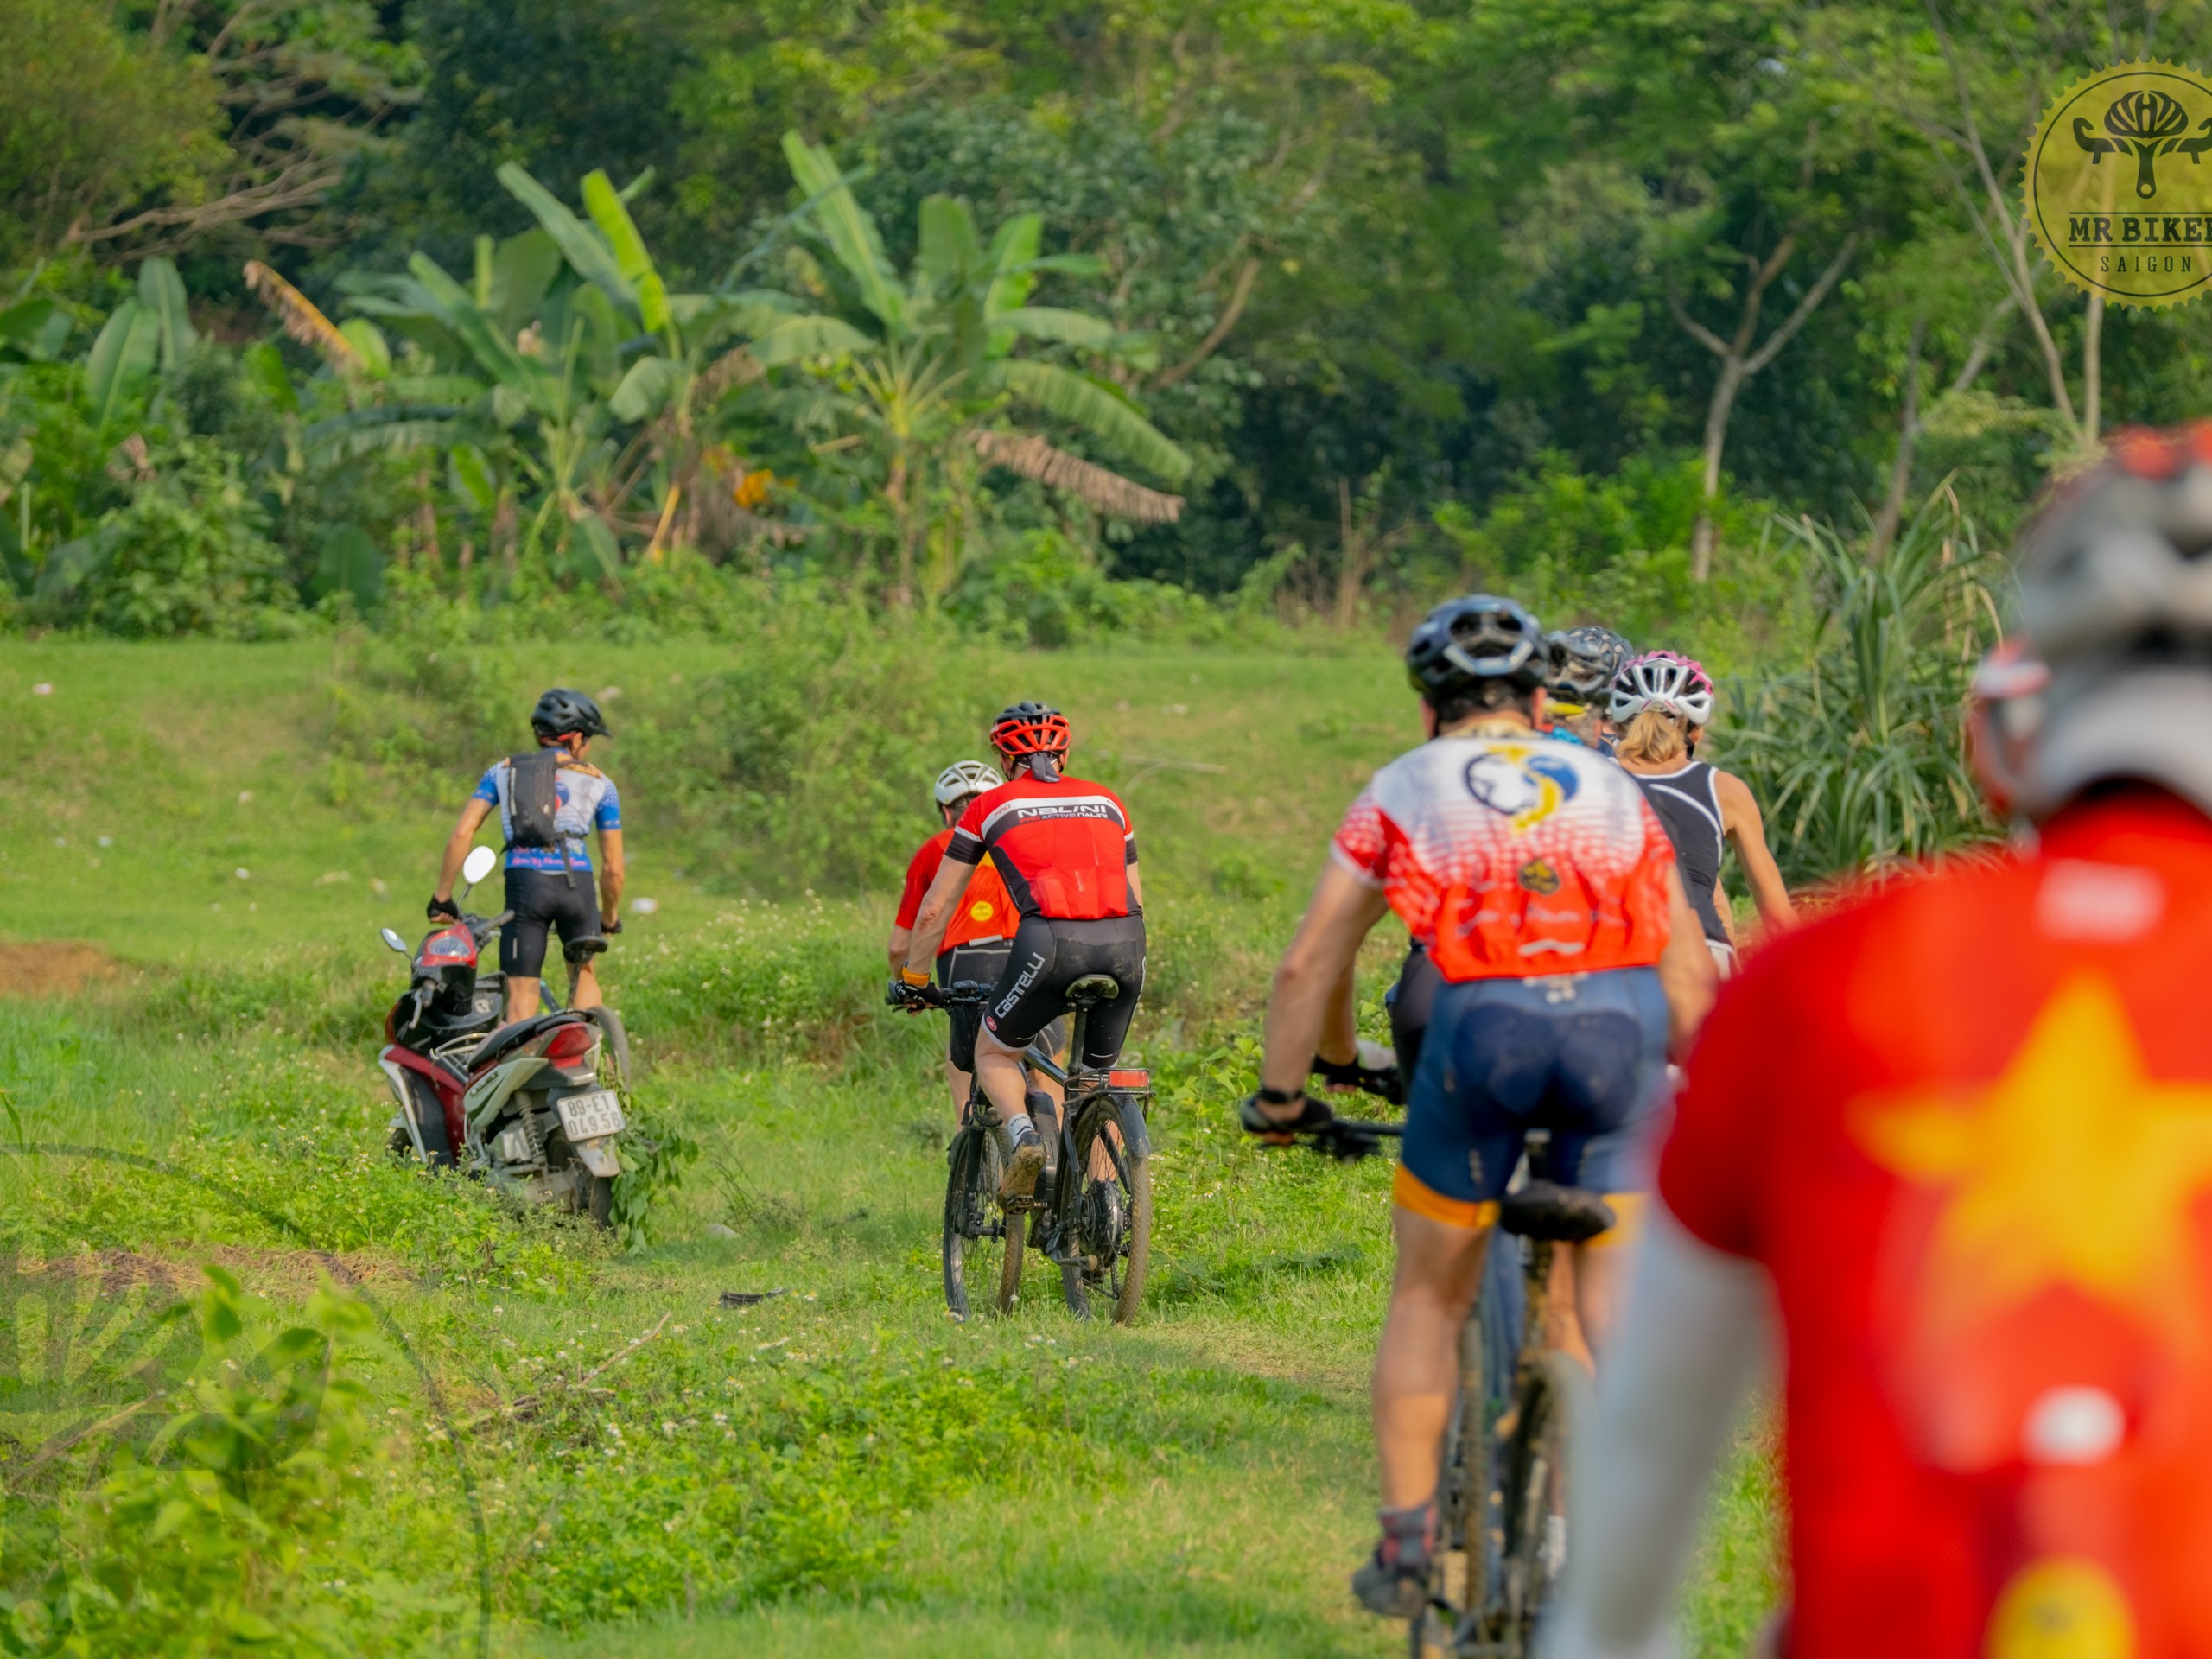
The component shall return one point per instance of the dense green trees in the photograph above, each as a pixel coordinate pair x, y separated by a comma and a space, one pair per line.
1378, 285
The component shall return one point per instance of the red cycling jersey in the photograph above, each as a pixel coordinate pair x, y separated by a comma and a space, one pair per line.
1967, 1127
1514, 857
1064, 848
985, 910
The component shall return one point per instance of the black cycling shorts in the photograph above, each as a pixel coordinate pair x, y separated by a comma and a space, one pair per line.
980, 964
540, 899
1412, 1003
1048, 957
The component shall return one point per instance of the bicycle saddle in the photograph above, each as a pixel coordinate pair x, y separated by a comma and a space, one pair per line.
1566, 1215
583, 950
1092, 988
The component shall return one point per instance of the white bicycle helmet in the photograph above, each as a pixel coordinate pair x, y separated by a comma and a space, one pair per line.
1662, 679
965, 777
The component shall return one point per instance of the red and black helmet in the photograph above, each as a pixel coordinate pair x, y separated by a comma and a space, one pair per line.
1028, 729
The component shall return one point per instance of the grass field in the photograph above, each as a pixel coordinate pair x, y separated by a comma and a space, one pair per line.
582, 1445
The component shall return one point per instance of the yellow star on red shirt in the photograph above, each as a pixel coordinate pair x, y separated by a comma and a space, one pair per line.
2074, 1168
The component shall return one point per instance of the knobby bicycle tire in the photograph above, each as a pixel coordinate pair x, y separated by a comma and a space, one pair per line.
973, 1223
1551, 1400
1459, 1577
1122, 1270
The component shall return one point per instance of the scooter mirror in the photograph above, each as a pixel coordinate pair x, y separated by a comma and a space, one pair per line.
393, 940
478, 864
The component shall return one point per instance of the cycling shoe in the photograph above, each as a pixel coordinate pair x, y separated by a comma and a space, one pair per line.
1314, 1114
1023, 1166
1394, 1581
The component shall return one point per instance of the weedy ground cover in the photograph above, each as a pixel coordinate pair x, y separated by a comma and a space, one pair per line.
531, 1435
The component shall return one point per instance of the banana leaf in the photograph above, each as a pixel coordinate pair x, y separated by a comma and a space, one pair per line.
580, 245
36, 328
121, 362
161, 291
645, 389
849, 231
1091, 406
605, 206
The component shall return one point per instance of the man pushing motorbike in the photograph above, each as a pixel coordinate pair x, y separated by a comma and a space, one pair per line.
549, 802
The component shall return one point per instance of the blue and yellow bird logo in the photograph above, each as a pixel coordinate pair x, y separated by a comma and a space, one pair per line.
1526, 782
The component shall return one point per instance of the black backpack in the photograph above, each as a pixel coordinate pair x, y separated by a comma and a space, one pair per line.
533, 798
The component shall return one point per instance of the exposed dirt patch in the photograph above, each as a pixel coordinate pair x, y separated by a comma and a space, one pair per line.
52, 967
282, 1276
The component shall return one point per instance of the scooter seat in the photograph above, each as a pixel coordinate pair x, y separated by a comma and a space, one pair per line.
507, 1039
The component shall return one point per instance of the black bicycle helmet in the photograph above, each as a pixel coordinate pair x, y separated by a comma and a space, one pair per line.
1585, 661
1467, 643
560, 712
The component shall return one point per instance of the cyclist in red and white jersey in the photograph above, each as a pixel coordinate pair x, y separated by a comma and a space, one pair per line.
1065, 847
1955, 1138
1544, 891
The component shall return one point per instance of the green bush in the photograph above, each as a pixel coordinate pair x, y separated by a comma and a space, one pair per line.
1048, 590
801, 763
188, 554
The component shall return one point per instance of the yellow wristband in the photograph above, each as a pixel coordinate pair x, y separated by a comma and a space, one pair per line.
913, 976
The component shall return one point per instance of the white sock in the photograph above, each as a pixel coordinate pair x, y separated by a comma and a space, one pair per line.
1018, 1128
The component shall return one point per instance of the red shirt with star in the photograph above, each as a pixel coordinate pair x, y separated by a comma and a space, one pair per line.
1965, 1125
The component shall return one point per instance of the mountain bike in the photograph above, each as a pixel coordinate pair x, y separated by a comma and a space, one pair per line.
1501, 1490
1091, 1213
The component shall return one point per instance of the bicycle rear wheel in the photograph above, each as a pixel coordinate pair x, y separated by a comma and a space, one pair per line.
1552, 1399
981, 1244
1458, 1580
1109, 1229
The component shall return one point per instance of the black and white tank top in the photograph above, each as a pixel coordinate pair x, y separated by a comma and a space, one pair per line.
1687, 802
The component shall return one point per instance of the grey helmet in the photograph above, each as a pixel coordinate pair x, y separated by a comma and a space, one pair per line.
1584, 661
2116, 600
1465, 644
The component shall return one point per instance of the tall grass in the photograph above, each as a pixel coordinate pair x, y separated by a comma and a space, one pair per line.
1860, 757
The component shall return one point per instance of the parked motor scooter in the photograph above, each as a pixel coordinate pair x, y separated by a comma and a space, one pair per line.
530, 1106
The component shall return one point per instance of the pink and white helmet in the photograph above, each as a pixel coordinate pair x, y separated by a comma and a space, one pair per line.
1662, 679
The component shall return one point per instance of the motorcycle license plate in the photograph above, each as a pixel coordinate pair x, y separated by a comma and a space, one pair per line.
587, 1116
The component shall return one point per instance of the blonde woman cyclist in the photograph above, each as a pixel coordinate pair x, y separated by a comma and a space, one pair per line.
1661, 704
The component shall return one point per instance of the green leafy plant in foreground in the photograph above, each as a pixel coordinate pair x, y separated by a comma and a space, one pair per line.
226, 1532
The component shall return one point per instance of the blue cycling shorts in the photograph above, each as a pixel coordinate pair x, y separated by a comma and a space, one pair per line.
1583, 1056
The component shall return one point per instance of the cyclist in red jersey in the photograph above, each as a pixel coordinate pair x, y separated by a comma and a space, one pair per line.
1959, 1137
1069, 858
978, 932
1543, 889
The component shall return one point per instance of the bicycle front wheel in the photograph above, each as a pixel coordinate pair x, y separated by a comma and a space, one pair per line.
980, 1244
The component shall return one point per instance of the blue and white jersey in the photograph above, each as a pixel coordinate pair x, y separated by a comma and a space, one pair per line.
589, 802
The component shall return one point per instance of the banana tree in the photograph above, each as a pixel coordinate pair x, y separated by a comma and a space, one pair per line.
566, 380
933, 370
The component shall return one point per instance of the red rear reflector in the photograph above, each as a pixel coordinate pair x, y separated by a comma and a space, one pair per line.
1129, 1079
569, 1043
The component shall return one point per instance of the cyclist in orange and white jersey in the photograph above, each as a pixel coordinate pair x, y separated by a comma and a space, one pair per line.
1543, 890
